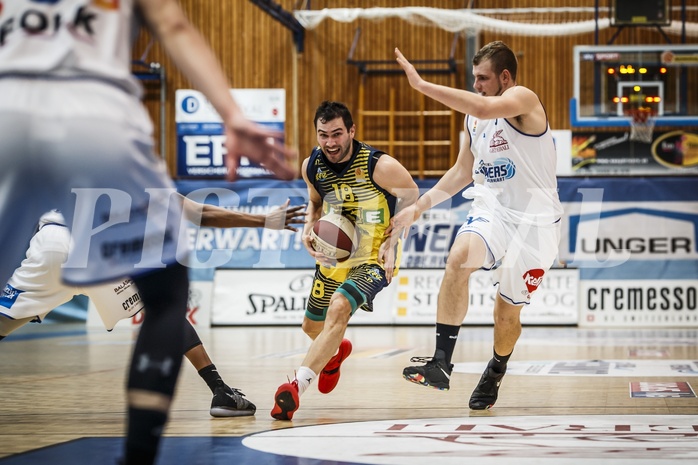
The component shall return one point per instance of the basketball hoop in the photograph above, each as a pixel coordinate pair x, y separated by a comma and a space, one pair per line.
642, 124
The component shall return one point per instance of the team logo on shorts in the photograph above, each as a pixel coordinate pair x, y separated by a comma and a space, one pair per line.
373, 273
533, 278
9, 296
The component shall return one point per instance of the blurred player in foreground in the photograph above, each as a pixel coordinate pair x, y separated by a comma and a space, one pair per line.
75, 136
35, 289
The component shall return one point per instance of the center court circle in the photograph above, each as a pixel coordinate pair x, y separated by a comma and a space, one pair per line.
529, 440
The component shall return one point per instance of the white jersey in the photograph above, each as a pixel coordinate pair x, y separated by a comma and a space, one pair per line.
518, 168
35, 288
69, 39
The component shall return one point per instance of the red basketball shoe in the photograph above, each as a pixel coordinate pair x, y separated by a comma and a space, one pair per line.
329, 376
286, 401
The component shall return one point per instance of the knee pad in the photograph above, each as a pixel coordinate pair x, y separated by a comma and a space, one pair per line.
191, 338
353, 294
157, 355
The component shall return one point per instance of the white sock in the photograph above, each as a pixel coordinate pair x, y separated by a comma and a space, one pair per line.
305, 377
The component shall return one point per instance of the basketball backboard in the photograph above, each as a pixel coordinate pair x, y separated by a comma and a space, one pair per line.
612, 81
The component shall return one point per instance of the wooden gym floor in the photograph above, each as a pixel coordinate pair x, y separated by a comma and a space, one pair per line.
62, 393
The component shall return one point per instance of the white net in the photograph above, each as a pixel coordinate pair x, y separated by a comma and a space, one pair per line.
642, 126
540, 22
642, 132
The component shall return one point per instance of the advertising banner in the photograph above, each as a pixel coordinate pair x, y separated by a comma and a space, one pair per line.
639, 230
270, 297
200, 135
613, 153
622, 368
246, 248
634, 241
612, 223
431, 236
426, 246
555, 301
663, 212
280, 297
639, 303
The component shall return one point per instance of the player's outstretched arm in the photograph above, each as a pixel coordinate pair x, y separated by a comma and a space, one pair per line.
514, 102
452, 182
281, 217
192, 55
394, 178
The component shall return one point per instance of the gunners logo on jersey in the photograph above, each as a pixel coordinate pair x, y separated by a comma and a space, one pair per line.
499, 170
360, 176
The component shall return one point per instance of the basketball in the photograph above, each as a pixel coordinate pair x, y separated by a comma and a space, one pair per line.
335, 236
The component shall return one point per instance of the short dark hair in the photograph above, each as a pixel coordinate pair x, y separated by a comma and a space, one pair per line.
501, 57
327, 111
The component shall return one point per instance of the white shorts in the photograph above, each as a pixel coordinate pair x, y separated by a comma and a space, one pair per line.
519, 254
36, 288
85, 148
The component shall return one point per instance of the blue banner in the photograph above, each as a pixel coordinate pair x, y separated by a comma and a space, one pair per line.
247, 247
631, 228
613, 228
200, 132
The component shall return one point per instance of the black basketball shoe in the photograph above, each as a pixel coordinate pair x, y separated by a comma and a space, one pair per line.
230, 402
435, 373
485, 394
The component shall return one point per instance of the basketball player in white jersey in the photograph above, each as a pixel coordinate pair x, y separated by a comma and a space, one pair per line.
74, 136
513, 226
35, 289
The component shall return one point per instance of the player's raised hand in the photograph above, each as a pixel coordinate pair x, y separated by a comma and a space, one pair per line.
282, 217
260, 145
412, 74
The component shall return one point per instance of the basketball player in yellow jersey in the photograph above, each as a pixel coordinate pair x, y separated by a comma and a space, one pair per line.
367, 186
